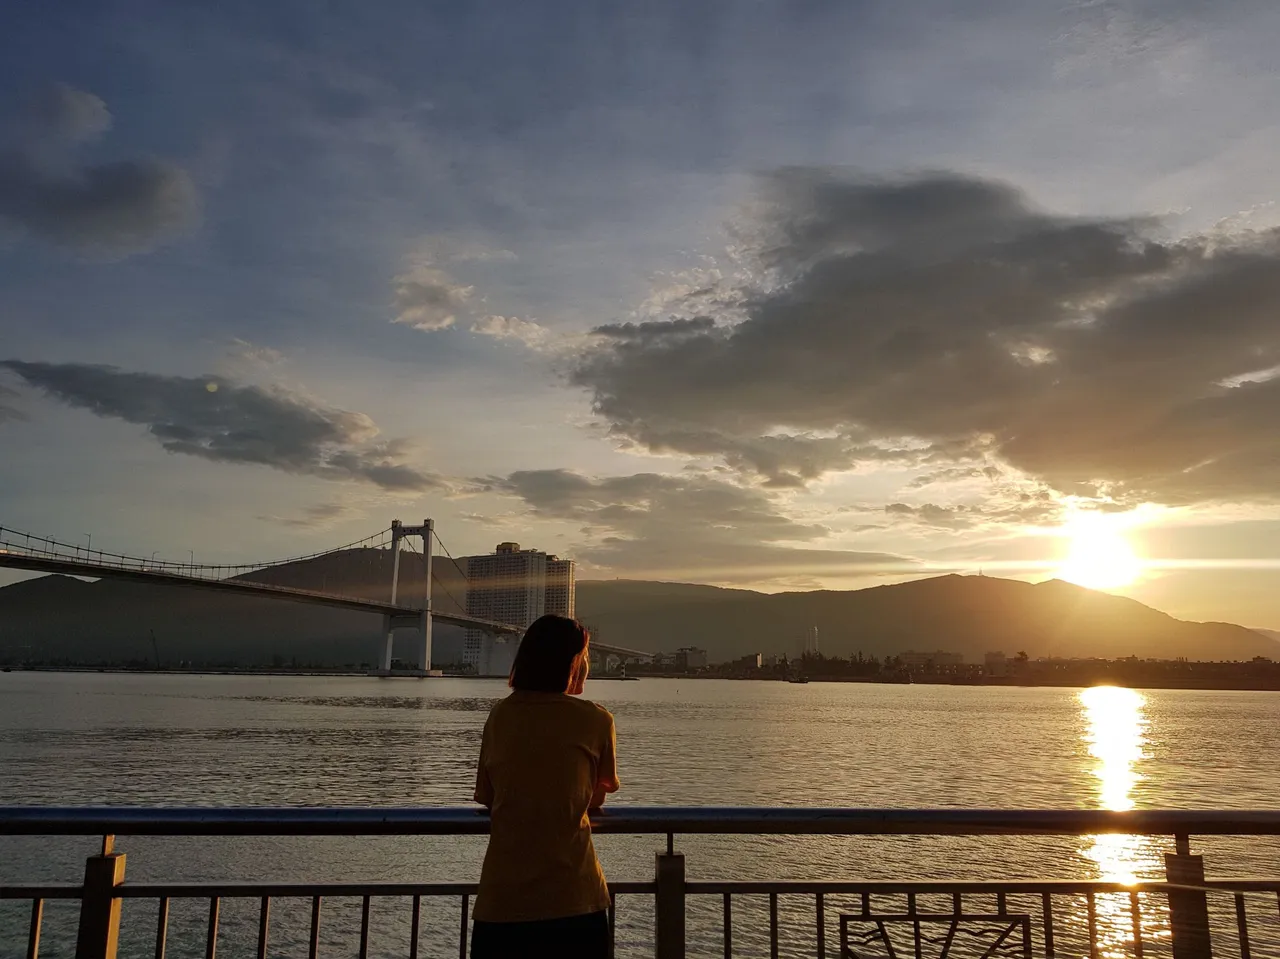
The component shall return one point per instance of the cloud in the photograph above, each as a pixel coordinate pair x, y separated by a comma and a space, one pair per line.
427, 298
691, 525
948, 319
9, 414
317, 516
531, 334
63, 114
216, 419
242, 353
106, 210
1029, 511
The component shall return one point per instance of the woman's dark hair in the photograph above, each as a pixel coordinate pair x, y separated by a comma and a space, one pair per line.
550, 652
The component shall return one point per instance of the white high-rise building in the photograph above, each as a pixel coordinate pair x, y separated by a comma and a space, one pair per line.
516, 586
811, 641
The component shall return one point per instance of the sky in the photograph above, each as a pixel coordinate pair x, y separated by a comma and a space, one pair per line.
775, 295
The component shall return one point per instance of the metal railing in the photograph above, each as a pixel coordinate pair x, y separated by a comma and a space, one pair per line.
921, 918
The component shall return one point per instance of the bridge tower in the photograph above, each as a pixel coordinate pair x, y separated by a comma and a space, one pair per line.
418, 620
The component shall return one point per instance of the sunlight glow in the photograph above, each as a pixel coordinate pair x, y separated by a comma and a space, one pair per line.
1115, 733
1115, 738
1098, 555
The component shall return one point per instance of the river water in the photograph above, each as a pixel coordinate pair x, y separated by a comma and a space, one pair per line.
218, 740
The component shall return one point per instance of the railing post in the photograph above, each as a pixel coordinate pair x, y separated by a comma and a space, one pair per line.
668, 905
100, 908
1188, 908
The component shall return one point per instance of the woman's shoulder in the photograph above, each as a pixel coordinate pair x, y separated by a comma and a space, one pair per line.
592, 708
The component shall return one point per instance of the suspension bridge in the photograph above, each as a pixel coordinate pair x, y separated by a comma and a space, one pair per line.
24, 550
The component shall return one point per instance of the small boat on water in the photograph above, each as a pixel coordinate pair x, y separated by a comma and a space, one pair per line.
799, 679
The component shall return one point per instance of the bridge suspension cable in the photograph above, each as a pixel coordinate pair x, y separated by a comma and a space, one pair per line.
461, 572
462, 607
19, 540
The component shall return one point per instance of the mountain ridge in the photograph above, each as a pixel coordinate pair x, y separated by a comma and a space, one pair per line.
57, 617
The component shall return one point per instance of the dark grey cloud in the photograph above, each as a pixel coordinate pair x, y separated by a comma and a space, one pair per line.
951, 474
216, 419
104, 210
63, 114
656, 329
948, 319
650, 524
1031, 510
315, 516
9, 413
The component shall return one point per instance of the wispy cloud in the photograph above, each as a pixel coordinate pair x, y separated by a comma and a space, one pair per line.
107, 210
219, 420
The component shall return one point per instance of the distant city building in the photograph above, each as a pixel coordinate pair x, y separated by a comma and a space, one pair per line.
937, 661
811, 641
995, 665
691, 657
516, 586
560, 591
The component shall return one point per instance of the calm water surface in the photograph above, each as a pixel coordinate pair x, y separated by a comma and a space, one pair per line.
215, 740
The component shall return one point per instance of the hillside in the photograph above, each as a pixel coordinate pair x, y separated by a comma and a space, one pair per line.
55, 617
966, 614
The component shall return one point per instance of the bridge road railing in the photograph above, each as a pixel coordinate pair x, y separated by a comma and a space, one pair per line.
1183, 916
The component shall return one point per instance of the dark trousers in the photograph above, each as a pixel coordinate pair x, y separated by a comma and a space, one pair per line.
574, 937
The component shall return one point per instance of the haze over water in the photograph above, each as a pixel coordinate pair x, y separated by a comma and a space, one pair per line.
211, 740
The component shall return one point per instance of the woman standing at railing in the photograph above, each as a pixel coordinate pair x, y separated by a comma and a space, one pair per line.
546, 760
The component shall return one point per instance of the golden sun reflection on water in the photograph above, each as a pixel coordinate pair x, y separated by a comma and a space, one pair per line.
1115, 732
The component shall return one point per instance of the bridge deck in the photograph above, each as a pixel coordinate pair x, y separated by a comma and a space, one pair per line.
19, 559
158, 577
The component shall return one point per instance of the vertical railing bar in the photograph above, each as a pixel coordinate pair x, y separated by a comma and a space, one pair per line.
1093, 925
957, 903
613, 924
162, 926
866, 903
466, 912
1136, 910
821, 910
1026, 937
1242, 924
1002, 904
364, 928
915, 933
264, 923
884, 937
211, 936
911, 904
728, 926
314, 950
33, 935
1046, 901
414, 925
951, 935
773, 925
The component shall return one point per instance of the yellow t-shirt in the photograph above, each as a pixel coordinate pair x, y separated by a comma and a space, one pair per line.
542, 757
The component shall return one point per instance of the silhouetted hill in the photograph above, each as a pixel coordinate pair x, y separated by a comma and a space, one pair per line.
55, 617
966, 614
58, 617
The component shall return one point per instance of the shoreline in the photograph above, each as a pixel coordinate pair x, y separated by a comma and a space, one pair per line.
1204, 684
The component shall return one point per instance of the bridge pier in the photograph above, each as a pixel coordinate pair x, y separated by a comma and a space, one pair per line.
419, 620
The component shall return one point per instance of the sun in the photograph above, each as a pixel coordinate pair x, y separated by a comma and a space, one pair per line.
1098, 555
